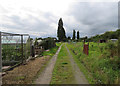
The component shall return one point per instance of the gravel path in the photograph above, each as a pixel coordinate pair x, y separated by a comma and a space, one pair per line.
79, 76
46, 75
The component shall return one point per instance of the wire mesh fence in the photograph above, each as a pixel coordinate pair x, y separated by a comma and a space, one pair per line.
15, 48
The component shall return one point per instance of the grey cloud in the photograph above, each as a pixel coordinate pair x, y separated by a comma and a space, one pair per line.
38, 26
99, 17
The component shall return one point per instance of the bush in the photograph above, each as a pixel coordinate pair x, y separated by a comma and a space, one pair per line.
112, 47
48, 43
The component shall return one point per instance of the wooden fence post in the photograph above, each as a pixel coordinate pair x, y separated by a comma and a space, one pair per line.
22, 48
86, 48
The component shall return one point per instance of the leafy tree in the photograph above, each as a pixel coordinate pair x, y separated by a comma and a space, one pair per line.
74, 35
61, 32
78, 35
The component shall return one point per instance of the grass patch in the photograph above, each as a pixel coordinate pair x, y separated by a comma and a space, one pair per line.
63, 73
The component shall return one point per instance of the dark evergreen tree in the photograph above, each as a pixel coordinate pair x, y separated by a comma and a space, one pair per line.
73, 35
78, 35
61, 32
69, 37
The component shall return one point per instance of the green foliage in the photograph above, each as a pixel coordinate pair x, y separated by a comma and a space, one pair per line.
106, 36
101, 67
36, 43
11, 52
112, 47
61, 32
48, 43
84, 38
52, 51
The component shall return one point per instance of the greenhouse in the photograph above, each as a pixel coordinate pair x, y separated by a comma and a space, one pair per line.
14, 48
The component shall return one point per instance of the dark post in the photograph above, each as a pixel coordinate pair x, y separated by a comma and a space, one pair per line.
119, 47
22, 48
32, 51
0, 60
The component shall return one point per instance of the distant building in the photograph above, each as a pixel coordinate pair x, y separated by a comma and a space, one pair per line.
102, 41
113, 40
38, 50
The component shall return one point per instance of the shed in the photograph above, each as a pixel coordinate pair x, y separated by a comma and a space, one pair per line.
102, 41
113, 40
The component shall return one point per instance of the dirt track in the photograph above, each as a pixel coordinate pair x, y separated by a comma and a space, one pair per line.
79, 76
24, 74
45, 76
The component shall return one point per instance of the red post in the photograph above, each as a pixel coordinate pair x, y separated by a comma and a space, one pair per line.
86, 49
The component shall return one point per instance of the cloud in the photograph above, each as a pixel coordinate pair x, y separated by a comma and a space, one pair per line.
95, 18
40, 19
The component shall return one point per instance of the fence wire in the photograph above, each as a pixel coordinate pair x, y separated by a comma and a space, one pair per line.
15, 48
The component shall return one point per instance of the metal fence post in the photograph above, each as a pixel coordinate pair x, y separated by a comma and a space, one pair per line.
22, 48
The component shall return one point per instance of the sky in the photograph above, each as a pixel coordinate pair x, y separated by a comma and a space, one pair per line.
39, 18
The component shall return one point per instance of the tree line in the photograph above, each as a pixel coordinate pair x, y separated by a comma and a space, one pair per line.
62, 35
106, 36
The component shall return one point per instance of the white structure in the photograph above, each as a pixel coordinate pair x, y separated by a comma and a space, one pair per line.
113, 40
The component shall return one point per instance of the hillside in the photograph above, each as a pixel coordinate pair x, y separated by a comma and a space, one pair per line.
107, 35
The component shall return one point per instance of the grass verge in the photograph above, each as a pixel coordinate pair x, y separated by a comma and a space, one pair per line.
99, 67
63, 73
82, 67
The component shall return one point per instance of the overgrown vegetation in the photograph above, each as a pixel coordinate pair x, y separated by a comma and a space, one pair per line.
11, 53
102, 63
46, 43
51, 51
63, 73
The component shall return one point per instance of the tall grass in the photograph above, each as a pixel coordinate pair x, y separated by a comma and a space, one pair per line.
100, 63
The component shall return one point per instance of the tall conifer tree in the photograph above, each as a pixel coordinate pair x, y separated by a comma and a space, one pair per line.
61, 32
78, 35
74, 35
